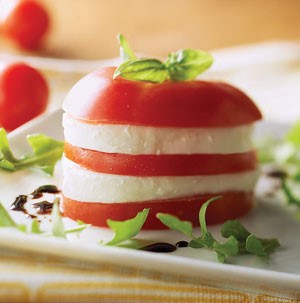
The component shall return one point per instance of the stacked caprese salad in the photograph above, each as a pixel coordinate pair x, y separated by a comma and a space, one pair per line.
168, 146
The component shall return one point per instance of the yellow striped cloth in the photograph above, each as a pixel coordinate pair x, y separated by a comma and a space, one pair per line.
27, 278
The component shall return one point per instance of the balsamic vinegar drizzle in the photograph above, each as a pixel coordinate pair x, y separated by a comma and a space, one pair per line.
160, 247
182, 244
43, 207
50, 189
19, 203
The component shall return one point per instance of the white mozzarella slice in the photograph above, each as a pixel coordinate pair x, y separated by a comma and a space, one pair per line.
88, 186
132, 139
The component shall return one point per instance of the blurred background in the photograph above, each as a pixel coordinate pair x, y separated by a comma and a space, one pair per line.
87, 29
256, 44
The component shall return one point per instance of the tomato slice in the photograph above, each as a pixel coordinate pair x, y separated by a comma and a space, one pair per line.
98, 98
24, 95
232, 205
161, 165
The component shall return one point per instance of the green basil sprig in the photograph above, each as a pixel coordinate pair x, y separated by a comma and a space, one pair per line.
183, 65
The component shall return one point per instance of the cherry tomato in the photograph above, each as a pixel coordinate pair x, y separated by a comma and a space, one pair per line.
24, 95
180, 104
231, 206
26, 22
161, 165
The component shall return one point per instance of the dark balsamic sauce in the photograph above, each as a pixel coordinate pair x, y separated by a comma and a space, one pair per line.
50, 189
19, 203
43, 207
182, 244
160, 247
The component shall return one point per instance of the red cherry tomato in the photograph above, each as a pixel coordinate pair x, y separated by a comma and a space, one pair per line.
180, 104
26, 22
24, 95
161, 165
231, 206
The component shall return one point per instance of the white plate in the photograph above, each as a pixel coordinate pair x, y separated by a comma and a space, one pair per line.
278, 274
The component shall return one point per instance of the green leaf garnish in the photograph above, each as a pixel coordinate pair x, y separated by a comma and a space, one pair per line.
125, 230
293, 135
5, 218
125, 51
142, 70
289, 194
202, 213
35, 227
174, 223
284, 154
46, 152
239, 239
180, 66
187, 64
227, 249
236, 229
58, 229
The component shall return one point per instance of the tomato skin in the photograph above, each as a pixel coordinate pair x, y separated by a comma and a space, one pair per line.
160, 165
232, 205
172, 104
24, 94
27, 23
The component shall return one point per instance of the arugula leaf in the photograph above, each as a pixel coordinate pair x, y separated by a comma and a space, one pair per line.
202, 213
5, 218
46, 152
290, 196
58, 229
227, 249
175, 223
35, 227
239, 239
79, 228
247, 242
125, 230
293, 135
234, 228
183, 65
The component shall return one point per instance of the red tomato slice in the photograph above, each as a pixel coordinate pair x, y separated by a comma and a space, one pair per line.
161, 165
27, 23
98, 98
23, 95
232, 205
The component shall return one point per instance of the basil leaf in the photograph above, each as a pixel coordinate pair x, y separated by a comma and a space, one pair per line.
151, 70
236, 229
175, 223
125, 230
125, 51
180, 66
188, 64
5, 218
